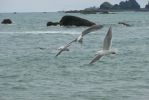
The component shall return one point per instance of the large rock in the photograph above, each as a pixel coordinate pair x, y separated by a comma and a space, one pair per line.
73, 20
52, 23
6, 21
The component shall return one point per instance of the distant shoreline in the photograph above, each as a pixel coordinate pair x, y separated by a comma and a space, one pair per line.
106, 11
86, 11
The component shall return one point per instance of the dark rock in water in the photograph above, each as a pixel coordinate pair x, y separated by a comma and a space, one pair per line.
123, 23
6, 21
69, 20
52, 23
72, 11
104, 12
87, 12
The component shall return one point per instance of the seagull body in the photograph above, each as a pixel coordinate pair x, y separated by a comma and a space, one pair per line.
79, 39
63, 48
106, 47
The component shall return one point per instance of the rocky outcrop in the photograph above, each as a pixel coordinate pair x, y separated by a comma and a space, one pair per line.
69, 20
104, 12
6, 21
116, 6
52, 23
106, 5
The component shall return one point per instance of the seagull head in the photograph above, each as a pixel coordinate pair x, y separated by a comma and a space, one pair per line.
61, 47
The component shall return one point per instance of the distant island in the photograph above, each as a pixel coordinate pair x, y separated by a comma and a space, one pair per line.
105, 7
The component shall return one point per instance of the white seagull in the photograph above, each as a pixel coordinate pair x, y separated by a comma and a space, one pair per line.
106, 47
79, 39
63, 48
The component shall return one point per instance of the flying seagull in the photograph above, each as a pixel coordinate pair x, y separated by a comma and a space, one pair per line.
106, 47
90, 29
63, 48
79, 39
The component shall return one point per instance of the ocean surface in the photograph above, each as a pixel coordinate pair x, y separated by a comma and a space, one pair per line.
30, 71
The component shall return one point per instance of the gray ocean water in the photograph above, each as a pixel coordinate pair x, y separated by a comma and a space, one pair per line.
29, 70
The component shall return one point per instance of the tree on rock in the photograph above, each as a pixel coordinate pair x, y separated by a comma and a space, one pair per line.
106, 5
130, 4
116, 6
147, 6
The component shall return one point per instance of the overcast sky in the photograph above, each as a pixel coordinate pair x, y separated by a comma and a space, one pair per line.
53, 5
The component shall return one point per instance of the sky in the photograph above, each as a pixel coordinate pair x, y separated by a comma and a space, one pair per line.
53, 5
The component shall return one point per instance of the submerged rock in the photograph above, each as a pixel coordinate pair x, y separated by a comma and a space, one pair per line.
6, 21
69, 20
123, 23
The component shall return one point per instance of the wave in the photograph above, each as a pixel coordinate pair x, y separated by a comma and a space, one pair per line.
42, 32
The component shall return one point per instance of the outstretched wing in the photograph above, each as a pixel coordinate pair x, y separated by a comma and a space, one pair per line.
97, 57
66, 46
59, 53
107, 40
91, 29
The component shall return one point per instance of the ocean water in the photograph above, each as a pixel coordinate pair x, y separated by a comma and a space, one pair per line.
29, 70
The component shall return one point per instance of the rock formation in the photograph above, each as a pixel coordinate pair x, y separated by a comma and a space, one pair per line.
69, 20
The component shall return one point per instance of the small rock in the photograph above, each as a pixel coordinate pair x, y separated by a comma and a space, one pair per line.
6, 21
52, 23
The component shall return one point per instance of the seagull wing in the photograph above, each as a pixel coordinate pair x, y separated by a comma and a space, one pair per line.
91, 29
107, 40
97, 57
59, 53
66, 46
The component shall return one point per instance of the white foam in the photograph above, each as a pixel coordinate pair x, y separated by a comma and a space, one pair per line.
42, 32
